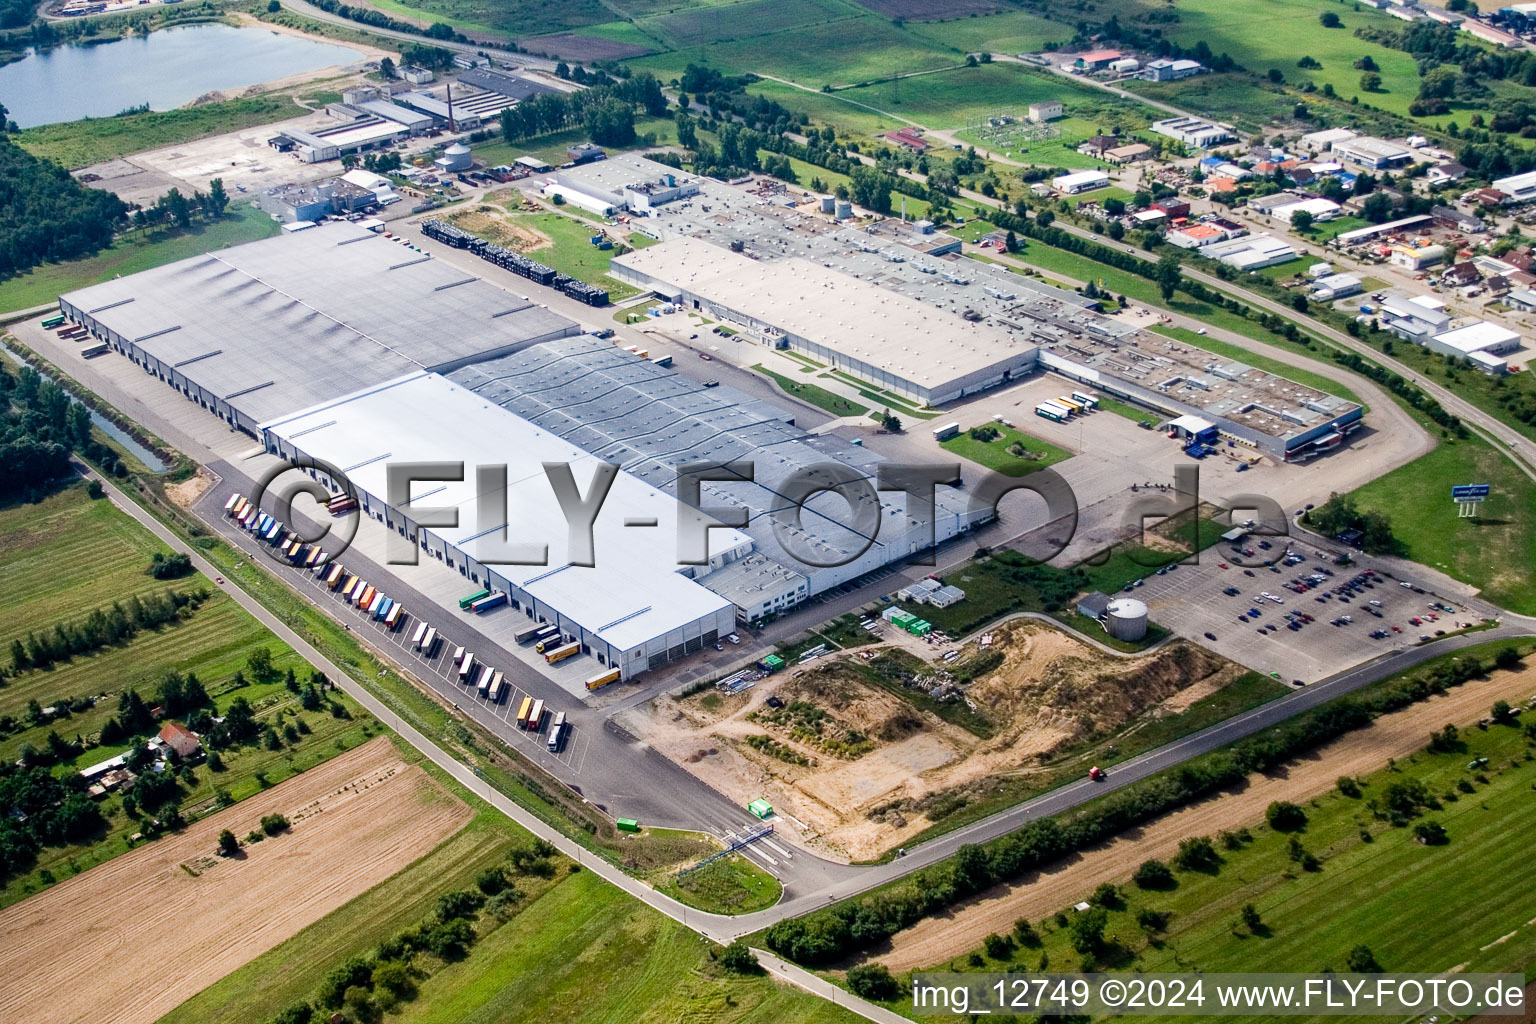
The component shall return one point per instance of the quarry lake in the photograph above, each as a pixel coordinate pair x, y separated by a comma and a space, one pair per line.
165, 69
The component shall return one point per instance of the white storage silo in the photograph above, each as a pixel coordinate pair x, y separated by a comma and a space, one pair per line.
1126, 619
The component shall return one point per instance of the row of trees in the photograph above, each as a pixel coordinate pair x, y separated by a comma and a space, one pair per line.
606, 110
102, 627
366, 987
851, 927
178, 211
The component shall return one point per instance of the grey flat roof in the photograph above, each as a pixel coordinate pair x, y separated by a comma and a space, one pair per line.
627, 410
513, 86
633, 594
290, 321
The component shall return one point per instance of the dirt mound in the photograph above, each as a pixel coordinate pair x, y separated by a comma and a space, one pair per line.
494, 226
867, 766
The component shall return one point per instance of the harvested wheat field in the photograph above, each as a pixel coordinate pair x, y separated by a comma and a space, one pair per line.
130, 940
859, 765
1396, 735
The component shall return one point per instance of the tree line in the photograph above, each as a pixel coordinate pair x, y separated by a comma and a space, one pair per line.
102, 627
606, 111
826, 936
45, 214
368, 986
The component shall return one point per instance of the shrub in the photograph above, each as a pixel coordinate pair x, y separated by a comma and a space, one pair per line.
998, 947
1348, 786
1196, 854
1025, 933
1362, 961
491, 881
1153, 920
1284, 816
1087, 930
228, 844
272, 824
1107, 896
1153, 874
1431, 833
738, 959
872, 981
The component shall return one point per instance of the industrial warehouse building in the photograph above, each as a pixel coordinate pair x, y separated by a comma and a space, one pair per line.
632, 610
929, 355
652, 421
255, 331
360, 352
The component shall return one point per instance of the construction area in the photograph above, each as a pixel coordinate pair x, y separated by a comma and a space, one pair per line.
862, 750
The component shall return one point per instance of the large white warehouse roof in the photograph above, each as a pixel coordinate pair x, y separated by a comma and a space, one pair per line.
927, 346
633, 594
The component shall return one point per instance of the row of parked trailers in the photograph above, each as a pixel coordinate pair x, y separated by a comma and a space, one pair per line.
70, 331
1063, 409
516, 262
490, 683
550, 642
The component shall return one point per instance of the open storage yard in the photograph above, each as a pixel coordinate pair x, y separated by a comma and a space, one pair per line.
863, 754
131, 939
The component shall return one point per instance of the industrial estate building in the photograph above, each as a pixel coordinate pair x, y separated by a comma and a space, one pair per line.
930, 355
881, 301
255, 331
342, 346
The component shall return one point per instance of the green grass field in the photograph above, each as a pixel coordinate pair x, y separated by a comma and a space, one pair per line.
1494, 552
577, 951
131, 254
716, 23
994, 454
1265, 34
730, 885
68, 555
963, 96
517, 17
851, 51
573, 254
1374, 893
835, 404
1009, 32
92, 140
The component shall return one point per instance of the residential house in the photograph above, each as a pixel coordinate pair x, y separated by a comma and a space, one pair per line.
1460, 275
180, 740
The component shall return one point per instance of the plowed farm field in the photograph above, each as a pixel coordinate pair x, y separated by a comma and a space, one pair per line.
128, 941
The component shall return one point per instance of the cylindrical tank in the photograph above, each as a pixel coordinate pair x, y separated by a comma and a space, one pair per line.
1126, 619
844, 209
828, 204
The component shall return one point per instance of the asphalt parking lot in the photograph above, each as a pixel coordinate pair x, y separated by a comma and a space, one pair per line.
1257, 630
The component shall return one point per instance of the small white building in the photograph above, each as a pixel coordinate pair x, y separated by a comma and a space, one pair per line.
1478, 336
1047, 110
1335, 286
1124, 66
1416, 257
1322, 141
1080, 181
1320, 209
